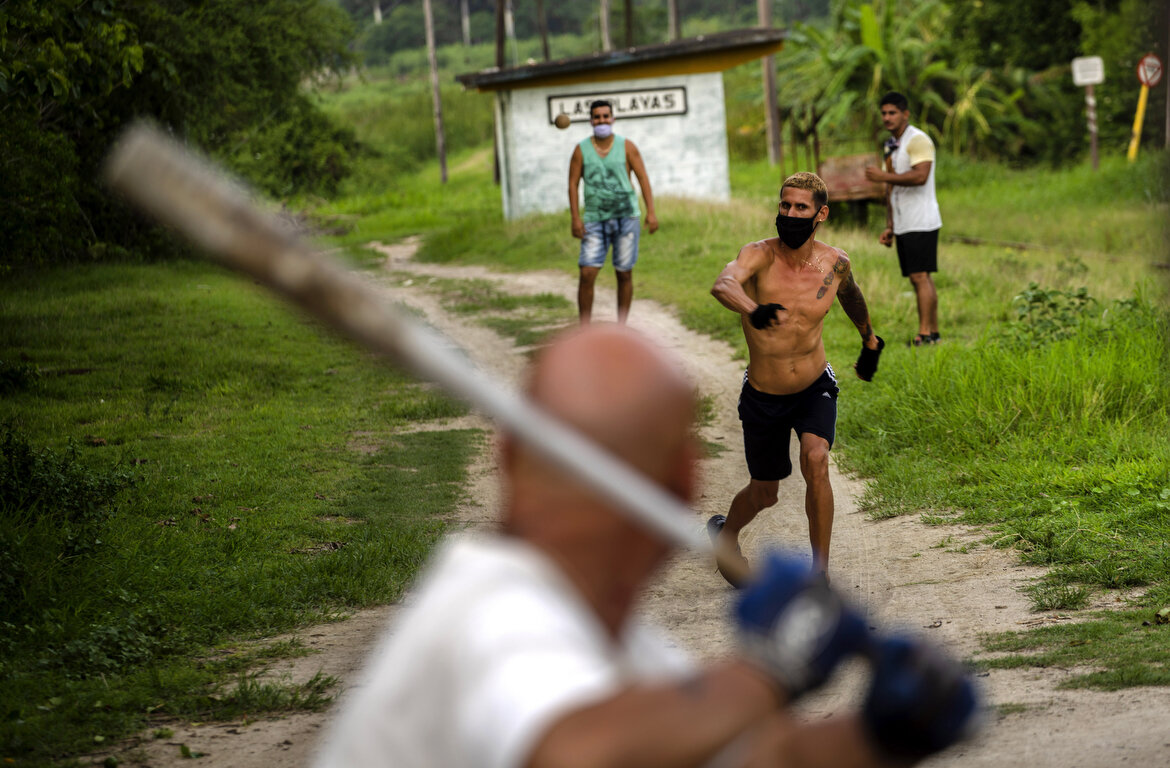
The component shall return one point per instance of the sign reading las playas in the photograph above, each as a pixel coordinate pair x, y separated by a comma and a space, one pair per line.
649, 102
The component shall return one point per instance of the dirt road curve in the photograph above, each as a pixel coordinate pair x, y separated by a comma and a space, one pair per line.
895, 569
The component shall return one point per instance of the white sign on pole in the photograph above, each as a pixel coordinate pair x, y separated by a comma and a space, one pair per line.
1149, 70
1088, 70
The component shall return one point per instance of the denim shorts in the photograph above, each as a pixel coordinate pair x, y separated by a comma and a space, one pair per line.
620, 234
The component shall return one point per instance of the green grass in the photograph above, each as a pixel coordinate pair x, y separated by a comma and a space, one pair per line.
1111, 650
1116, 212
269, 488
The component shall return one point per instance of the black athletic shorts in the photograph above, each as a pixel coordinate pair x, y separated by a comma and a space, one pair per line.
768, 421
917, 252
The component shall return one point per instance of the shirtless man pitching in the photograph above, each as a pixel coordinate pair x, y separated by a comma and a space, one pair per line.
782, 288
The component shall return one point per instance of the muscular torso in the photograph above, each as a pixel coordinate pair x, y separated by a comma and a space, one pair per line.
790, 356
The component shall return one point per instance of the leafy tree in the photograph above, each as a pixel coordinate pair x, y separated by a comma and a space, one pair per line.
1034, 35
60, 61
225, 75
836, 74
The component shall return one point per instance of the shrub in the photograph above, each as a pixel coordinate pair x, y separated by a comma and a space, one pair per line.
53, 510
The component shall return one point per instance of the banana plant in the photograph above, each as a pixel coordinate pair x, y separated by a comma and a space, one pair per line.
839, 72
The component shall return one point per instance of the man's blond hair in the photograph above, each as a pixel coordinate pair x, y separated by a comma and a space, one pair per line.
811, 182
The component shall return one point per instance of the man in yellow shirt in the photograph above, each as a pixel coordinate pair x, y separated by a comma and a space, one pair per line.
912, 215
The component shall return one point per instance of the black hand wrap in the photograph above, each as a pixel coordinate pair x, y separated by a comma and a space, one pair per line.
867, 361
764, 314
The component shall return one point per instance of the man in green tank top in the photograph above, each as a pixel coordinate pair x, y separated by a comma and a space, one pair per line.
605, 161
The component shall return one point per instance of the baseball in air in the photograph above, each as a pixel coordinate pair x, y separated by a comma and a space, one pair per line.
562, 121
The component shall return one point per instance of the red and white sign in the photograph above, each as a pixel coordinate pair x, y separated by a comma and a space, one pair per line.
1149, 70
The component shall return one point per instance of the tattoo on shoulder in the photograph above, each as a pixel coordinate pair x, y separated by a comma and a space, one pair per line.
840, 269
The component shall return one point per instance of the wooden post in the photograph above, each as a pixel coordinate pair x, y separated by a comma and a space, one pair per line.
499, 65
1091, 108
500, 34
542, 25
780, 141
672, 24
629, 23
440, 143
510, 30
764, 8
793, 130
816, 137
603, 20
465, 20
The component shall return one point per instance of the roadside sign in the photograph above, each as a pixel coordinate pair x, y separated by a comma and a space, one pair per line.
1149, 70
1088, 70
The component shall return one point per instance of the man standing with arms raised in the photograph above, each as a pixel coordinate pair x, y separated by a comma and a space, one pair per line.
912, 215
605, 161
783, 287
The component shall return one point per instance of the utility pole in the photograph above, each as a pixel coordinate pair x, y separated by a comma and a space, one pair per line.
629, 23
603, 20
465, 20
440, 144
510, 30
542, 25
775, 155
499, 65
672, 24
500, 34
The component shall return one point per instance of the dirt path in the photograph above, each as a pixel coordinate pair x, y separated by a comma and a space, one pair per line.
898, 570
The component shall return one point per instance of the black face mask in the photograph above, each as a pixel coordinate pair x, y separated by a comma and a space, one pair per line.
795, 230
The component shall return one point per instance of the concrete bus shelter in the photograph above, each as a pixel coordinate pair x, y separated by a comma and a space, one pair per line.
668, 100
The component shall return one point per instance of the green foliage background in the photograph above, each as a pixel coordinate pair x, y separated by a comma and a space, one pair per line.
226, 76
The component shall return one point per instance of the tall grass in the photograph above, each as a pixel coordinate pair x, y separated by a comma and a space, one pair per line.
1063, 448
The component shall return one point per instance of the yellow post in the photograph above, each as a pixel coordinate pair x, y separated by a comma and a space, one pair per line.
1137, 123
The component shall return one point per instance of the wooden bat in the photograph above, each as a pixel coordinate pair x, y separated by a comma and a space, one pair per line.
159, 175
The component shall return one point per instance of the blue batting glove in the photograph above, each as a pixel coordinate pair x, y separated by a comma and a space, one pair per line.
920, 701
795, 626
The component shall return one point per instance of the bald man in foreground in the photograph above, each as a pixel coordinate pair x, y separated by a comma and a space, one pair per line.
520, 646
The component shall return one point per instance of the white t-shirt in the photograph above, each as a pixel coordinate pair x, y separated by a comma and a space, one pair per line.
915, 208
493, 648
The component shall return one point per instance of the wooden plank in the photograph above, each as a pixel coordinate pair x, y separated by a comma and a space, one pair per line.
845, 177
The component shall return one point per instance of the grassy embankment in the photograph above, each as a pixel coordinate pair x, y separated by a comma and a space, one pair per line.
1045, 416
187, 465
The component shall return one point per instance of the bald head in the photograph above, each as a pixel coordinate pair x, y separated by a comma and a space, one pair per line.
623, 393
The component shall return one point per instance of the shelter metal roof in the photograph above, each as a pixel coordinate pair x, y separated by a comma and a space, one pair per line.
705, 53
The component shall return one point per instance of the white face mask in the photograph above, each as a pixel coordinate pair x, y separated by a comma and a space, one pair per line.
603, 130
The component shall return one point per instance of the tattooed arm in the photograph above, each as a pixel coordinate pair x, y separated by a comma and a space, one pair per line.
849, 295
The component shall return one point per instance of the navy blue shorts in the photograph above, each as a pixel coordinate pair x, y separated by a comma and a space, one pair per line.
768, 422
